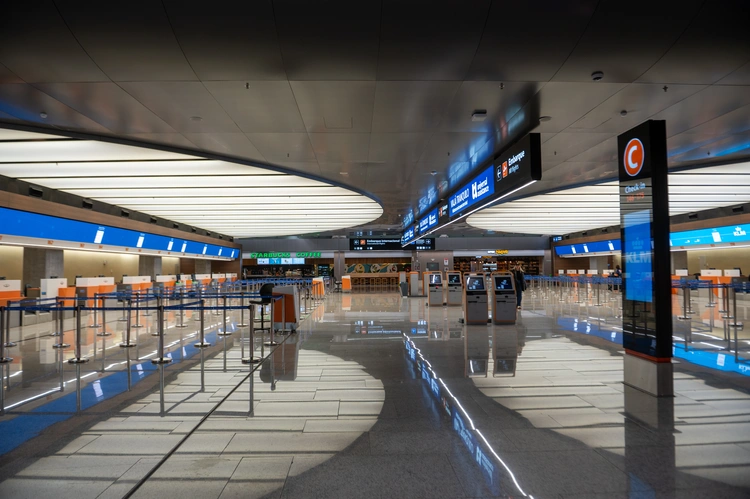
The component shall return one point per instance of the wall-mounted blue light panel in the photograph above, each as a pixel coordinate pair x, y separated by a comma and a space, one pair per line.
715, 235
587, 248
728, 234
34, 225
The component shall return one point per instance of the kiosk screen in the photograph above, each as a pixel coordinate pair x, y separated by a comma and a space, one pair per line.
503, 284
454, 279
475, 283
436, 279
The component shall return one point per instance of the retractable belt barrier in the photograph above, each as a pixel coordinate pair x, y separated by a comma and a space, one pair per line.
197, 299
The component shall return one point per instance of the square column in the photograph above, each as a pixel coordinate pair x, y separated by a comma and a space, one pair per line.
203, 266
149, 265
40, 263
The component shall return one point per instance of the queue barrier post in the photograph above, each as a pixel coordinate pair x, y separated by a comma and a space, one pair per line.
128, 343
59, 318
137, 311
223, 330
161, 361
78, 359
202, 343
96, 316
103, 332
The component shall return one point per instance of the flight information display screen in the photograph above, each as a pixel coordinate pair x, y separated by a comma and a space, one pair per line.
362, 244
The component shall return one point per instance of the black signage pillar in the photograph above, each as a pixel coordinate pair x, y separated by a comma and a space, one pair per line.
646, 290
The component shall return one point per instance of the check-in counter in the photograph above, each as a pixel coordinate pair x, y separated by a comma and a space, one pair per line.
50, 288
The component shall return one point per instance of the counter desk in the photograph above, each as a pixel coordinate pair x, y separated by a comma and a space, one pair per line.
380, 281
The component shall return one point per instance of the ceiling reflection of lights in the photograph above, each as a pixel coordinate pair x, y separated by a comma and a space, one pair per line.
595, 206
235, 199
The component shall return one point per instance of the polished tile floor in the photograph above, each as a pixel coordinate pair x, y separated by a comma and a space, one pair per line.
382, 396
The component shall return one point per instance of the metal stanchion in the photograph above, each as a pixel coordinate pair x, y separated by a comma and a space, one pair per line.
78, 359
725, 300
137, 311
181, 315
242, 310
3, 358
160, 326
127, 343
685, 300
202, 343
161, 361
56, 312
59, 318
96, 317
736, 325
711, 302
103, 332
124, 317
271, 341
7, 343
251, 359
61, 368
223, 330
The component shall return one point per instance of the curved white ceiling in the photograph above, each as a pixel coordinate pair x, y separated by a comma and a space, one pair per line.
595, 206
229, 198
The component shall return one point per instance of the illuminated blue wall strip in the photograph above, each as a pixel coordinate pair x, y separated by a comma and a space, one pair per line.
26, 224
699, 237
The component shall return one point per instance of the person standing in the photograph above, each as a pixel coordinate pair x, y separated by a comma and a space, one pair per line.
520, 279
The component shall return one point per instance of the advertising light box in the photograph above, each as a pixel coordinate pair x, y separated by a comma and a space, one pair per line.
512, 170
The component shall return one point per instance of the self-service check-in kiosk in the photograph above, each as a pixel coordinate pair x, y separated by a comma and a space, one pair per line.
455, 288
504, 306
435, 291
475, 300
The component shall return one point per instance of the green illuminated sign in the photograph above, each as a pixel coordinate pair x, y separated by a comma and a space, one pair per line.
299, 254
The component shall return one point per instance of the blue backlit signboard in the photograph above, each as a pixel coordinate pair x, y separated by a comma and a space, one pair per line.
481, 187
644, 218
37, 226
513, 169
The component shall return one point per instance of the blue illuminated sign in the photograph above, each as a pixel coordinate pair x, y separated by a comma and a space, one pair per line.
429, 221
716, 235
34, 225
611, 245
727, 234
637, 254
481, 187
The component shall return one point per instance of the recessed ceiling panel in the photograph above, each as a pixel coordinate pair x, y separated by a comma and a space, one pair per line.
596, 206
222, 196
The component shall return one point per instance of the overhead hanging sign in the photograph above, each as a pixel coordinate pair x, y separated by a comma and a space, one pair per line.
358, 244
514, 169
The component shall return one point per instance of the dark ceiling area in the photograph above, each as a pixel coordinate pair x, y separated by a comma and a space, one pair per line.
379, 95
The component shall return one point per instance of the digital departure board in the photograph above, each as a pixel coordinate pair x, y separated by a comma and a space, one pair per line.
363, 244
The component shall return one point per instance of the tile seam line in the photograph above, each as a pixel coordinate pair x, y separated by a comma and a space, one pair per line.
193, 430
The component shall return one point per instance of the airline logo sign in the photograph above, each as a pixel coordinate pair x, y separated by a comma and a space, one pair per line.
510, 166
634, 157
481, 187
